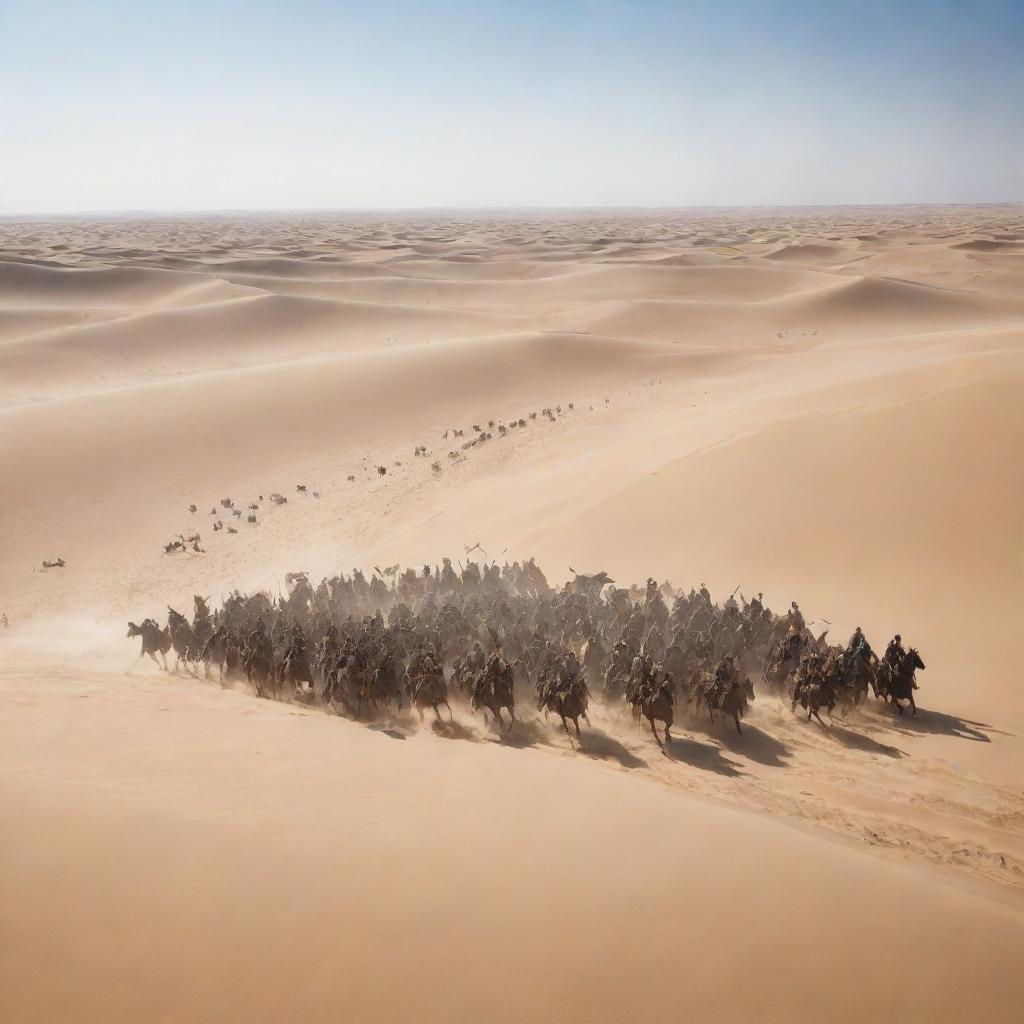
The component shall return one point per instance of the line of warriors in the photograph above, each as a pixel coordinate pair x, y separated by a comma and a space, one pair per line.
490, 633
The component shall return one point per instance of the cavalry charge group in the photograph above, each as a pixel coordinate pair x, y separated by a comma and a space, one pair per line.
495, 634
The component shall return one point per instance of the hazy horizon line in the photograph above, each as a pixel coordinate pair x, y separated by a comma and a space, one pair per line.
150, 212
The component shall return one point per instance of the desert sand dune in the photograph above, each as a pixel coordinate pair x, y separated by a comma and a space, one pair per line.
236, 333
822, 405
104, 287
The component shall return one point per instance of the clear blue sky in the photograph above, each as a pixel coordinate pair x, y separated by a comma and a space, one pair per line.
209, 104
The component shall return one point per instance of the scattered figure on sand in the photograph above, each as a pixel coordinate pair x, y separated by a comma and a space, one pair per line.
58, 564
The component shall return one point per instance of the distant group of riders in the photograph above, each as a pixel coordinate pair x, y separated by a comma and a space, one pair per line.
496, 635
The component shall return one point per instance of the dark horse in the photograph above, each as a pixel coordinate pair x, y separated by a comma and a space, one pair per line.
154, 641
896, 682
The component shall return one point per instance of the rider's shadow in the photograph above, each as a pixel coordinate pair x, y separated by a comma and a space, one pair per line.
706, 756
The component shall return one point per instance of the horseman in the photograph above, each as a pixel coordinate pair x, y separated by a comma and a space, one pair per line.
726, 670
639, 675
449, 581
476, 659
808, 672
858, 647
894, 653
796, 618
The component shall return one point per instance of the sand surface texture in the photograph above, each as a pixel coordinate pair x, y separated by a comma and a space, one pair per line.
824, 405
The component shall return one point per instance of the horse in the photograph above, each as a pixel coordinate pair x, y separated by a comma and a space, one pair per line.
426, 688
732, 701
154, 641
294, 669
215, 651
348, 683
258, 661
183, 639
817, 693
896, 683
656, 703
568, 698
492, 689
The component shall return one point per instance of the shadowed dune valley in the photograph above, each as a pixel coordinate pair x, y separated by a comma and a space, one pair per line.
511, 513
636, 438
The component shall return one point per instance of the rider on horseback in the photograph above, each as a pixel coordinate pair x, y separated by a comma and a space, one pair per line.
894, 653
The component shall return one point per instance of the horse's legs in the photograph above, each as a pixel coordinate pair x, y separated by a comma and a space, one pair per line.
657, 739
576, 722
451, 714
736, 718
127, 671
913, 706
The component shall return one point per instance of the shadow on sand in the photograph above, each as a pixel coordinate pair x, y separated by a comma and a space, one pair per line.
601, 746
753, 744
860, 741
936, 723
706, 756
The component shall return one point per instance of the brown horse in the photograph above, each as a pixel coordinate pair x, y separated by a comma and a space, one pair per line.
816, 693
730, 700
656, 702
426, 688
492, 690
568, 698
